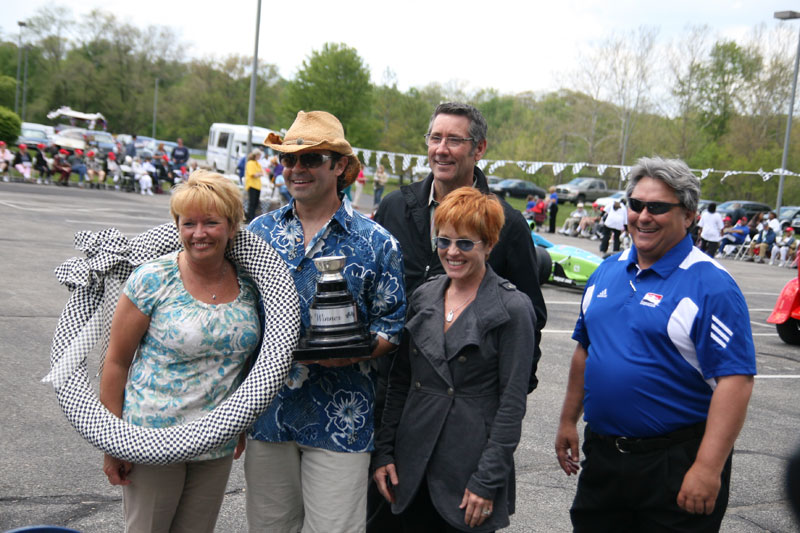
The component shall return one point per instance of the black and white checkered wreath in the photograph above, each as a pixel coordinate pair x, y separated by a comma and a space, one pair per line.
95, 284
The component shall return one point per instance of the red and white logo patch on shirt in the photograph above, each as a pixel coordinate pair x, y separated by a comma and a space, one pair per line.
651, 299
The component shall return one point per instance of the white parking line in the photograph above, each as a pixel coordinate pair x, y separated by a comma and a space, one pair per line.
784, 376
143, 222
759, 309
765, 334
557, 331
762, 325
762, 293
548, 302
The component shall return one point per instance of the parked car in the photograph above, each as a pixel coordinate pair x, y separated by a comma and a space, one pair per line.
787, 214
750, 208
517, 189
605, 201
493, 180
101, 140
71, 138
582, 190
33, 134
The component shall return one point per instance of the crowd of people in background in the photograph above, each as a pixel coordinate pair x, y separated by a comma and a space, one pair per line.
119, 169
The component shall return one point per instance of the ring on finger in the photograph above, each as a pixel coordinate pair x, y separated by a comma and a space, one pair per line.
486, 512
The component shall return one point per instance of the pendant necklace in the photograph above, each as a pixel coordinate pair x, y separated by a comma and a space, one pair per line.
221, 279
452, 311
218, 284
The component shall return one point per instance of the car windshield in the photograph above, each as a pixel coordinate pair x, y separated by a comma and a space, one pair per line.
30, 132
103, 137
507, 183
787, 211
727, 206
577, 181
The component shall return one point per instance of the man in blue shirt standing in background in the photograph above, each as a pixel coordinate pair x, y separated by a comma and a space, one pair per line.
308, 455
663, 370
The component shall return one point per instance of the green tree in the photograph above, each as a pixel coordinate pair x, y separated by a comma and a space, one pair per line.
335, 79
7, 87
9, 125
729, 70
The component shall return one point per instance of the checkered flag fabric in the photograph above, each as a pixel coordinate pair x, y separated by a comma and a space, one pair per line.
95, 283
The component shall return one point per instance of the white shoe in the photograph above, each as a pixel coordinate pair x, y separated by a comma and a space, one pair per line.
5, 178
771, 262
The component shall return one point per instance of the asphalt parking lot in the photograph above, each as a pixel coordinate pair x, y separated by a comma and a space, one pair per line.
49, 474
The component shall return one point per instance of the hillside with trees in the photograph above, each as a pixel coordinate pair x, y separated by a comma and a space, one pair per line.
716, 103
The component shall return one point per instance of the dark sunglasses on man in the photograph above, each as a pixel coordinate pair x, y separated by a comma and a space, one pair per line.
307, 160
654, 208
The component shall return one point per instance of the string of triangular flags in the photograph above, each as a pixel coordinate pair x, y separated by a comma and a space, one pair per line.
418, 164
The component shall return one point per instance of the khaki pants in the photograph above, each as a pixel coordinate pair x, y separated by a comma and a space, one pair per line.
293, 488
176, 498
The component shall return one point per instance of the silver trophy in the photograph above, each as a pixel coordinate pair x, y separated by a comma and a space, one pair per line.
335, 331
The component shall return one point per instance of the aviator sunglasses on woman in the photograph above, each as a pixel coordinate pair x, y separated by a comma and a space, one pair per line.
465, 245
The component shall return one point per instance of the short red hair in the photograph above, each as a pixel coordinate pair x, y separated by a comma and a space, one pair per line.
469, 209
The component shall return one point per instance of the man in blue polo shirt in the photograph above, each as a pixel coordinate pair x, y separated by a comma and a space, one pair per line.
663, 370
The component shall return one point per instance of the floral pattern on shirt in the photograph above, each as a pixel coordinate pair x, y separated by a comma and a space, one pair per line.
193, 354
332, 408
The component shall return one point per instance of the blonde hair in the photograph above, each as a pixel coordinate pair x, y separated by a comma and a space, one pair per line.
469, 209
208, 191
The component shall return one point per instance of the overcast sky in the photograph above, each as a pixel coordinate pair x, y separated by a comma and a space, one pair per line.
511, 46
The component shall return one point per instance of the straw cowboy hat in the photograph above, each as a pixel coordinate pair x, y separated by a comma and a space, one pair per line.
317, 130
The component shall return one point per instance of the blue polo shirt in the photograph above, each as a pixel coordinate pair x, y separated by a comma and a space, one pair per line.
657, 338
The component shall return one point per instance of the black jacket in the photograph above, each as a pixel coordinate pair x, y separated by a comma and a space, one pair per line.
406, 215
456, 400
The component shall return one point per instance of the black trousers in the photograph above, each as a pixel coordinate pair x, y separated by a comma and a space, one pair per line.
253, 198
607, 232
638, 491
553, 213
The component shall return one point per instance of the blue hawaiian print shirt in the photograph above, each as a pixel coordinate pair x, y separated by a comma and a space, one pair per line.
332, 408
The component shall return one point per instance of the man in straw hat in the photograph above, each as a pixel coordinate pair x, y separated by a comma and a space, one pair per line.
308, 455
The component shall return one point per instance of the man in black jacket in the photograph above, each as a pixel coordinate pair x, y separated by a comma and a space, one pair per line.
456, 141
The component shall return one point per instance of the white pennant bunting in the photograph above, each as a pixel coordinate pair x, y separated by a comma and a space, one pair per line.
481, 164
558, 168
577, 167
601, 169
705, 172
497, 164
764, 175
624, 171
406, 162
534, 167
729, 173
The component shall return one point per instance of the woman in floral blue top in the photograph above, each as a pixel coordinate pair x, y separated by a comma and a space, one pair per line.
182, 332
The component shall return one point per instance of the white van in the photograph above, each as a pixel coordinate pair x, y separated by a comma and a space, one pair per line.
227, 144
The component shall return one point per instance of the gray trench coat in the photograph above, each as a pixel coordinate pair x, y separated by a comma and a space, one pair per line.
456, 400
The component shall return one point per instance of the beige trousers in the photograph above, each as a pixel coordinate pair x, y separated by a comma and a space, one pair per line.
292, 488
176, 498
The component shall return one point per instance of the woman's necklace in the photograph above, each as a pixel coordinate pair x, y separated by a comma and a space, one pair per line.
223, 271
452, 311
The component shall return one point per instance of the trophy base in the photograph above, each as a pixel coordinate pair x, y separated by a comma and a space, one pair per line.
305, 352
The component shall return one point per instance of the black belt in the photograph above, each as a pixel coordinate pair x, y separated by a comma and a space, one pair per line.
647, 444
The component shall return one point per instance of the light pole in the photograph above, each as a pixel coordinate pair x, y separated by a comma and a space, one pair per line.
788, 15
251, 110
21, 25
25, 83
155, 108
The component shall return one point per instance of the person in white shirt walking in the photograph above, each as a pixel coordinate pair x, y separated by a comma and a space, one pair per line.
711, 224
615, 222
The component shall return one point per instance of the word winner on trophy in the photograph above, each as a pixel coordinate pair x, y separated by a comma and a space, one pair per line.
335, 331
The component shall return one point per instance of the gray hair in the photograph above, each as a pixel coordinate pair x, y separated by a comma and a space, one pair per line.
673, 172
477, 124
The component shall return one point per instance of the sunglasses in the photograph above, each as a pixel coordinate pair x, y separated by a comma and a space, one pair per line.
309, 160
654, 208
465, 245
